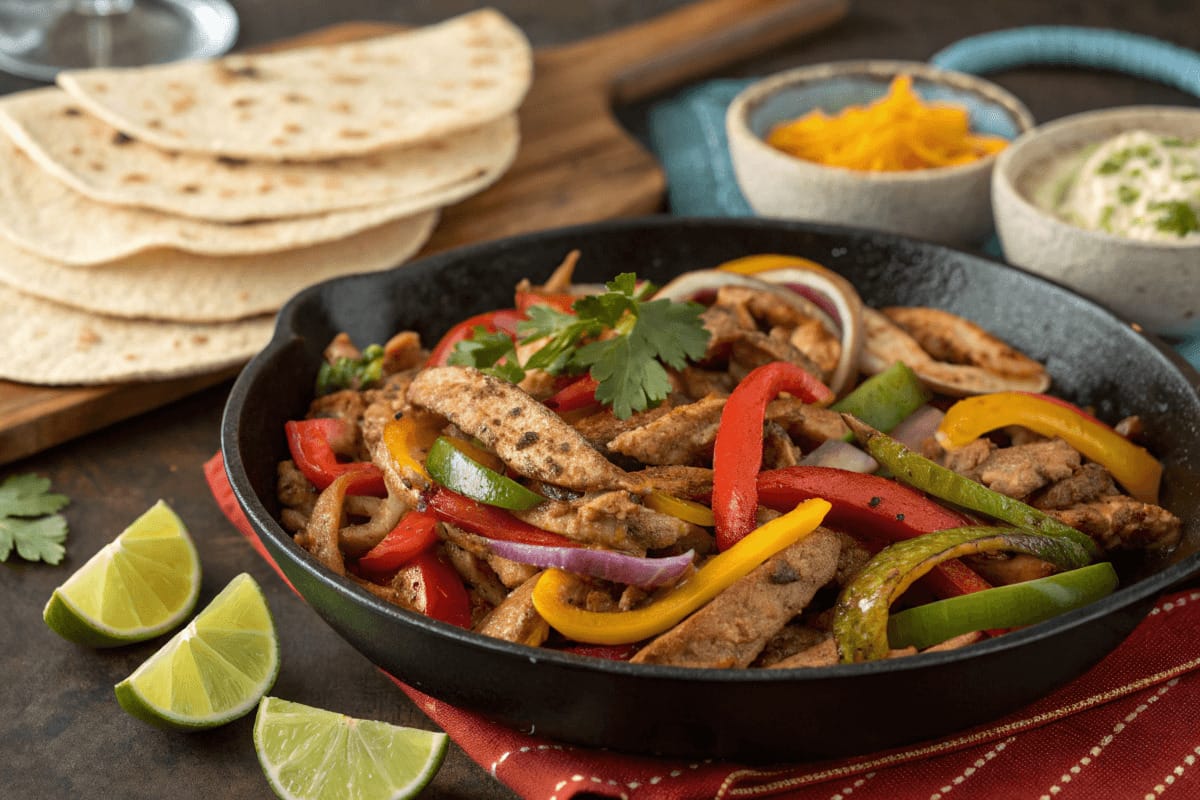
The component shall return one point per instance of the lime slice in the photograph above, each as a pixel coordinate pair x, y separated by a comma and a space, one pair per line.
312, 754
139, 585
214, 670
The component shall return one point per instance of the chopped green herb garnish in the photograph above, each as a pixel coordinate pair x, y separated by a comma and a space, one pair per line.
1113, 163
1127, 194
1106, 216
625, 340
351, 373
1178, 217
28, 520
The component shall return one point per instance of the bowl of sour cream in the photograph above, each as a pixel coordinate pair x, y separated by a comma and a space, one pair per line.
1108, 203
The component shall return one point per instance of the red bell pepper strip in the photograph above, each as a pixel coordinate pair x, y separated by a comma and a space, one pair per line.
311, 444
577, 394
488, 521
441, 593
414, 534
875, 506
737, 453
560, 301
505, 320
609, 652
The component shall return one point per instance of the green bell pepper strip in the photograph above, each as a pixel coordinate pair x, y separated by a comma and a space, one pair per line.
860, 617
921, 473
1012, 606
457, 471
883, 401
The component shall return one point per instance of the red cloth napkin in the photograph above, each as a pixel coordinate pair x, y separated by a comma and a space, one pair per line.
1129, 728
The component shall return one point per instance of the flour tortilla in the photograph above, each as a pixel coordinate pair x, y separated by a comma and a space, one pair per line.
169, 285
95, 160
45, 217
47, 343
319, 103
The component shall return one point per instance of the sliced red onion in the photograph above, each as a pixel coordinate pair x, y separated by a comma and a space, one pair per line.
840, 455
918, 427
605, 564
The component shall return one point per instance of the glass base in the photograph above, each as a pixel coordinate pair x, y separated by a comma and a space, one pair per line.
38, 39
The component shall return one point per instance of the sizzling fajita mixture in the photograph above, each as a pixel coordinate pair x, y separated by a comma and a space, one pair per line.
745, 468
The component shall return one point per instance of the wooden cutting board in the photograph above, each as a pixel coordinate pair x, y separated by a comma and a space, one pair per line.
576, 164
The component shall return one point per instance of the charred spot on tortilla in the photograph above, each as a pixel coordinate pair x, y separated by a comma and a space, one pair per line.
119, 138
294, 97
243, 102
341, 107
516, 411
135, 177
190, 188
96, 166
229, 161
352, 133
72, 111
528, 438
228, 72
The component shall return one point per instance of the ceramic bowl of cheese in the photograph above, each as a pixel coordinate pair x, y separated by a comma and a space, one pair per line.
1107, 203
945, 204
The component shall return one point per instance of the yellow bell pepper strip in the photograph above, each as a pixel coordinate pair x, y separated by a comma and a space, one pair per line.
1132, 466
454, 469
885, 400
919, 472
686, 510
1014, 606
407, 441
764, 262
717, 574
860, 616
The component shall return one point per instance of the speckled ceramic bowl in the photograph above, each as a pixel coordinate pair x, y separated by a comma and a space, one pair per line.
1156, 285
947, 204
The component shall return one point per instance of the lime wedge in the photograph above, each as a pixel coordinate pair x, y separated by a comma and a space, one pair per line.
214, 670
312, 754
139, 585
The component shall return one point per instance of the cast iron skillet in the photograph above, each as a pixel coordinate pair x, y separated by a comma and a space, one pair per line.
753, 715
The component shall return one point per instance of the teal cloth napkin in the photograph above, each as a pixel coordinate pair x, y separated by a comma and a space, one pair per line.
687, 131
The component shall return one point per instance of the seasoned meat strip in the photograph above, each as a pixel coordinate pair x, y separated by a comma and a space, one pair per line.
1122, 523
515, 619
731, 630
611, 519
948, 337
1018, 471
603, 426
526, 435
1089, 482
805, 421
686, 482
684, 435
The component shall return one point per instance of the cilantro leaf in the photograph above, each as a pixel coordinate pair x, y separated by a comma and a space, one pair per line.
492, 352
624, 339
26, 496
24, 524
672, 332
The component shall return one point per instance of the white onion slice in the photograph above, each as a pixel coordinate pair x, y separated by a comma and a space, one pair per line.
918, 426
840, 455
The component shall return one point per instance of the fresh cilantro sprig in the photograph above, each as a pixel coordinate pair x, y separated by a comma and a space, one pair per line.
28, 520
622, 338
351, 373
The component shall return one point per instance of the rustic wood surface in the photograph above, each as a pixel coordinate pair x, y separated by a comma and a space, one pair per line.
575, 164
61, 731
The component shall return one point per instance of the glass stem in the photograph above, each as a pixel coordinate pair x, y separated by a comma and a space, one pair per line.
103, 8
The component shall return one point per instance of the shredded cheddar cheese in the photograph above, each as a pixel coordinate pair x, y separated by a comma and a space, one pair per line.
895, 133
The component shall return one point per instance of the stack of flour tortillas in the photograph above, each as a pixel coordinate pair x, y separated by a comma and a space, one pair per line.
154, 219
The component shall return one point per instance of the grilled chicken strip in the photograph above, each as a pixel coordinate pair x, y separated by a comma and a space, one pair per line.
527, 436
609, 519
887, 342
736, 625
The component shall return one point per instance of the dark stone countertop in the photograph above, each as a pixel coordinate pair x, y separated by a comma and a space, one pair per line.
63, 733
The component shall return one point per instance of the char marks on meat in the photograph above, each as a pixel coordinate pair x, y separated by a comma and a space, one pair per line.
734, 627
611, 519
1119, 522
502, 417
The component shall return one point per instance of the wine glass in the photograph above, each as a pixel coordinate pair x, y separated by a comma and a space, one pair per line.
40, 37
